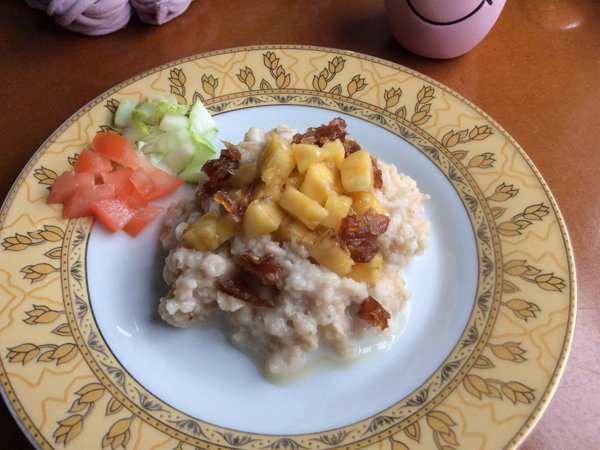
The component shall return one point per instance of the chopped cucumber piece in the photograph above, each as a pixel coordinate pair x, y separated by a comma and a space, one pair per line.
147, 113
178, 159
201, 122
169, 135
123, 112
193, 171
171, 108
173, 121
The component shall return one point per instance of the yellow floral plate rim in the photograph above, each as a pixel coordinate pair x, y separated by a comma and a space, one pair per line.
343, 80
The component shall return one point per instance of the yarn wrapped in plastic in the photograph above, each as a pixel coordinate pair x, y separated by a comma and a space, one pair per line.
99, 17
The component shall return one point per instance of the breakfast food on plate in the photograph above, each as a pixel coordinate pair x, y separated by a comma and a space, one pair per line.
160, 145
298, 240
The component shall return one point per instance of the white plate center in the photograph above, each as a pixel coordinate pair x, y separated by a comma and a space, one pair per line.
198, 372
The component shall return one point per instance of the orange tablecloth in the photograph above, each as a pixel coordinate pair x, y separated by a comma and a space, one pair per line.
537, 74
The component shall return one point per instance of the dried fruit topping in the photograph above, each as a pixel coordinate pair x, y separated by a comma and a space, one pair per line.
372, 312
350, 146
236, 206
238, 287
220, 169
336, 129
263, 267
362, 250
377, 174
360, 232
319, 190
225, 200
363, 226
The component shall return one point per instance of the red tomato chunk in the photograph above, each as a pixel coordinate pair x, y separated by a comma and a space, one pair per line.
116, 148
68, 183
120, 179
80, 203
143, 183
114, 185
142, 218
112, 212
165, 183
125, 189
90, 161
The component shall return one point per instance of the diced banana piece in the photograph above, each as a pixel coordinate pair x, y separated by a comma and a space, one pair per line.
202, 234
278, 161
357, 172
327, 252
320, 182
333, 151
363, 201
262, 216
338, 207
247, 172
269, 191
305, 155
291, 228
295, 180
227, 228
369, 271
302, 207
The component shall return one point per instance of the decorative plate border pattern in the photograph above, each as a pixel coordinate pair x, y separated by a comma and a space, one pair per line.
502, 371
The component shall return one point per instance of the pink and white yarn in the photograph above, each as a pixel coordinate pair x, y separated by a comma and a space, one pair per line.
98, 17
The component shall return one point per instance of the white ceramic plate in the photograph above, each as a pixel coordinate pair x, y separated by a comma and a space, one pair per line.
88, 362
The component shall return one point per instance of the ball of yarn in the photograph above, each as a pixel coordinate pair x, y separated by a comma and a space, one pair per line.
98, 17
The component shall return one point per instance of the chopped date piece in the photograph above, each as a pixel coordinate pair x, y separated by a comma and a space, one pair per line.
305, 138
336, 129
232, 150
203, 191
362, 250
237, 208
240, 288
372, 312
350, 146
365, 226
377, 174
360, 232
263, 267
245, 199
225, 200
220, 169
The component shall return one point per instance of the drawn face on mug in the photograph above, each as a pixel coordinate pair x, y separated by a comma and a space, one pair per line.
441, 28
444, 13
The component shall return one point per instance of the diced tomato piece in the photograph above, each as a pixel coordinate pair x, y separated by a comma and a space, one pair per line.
142, 218
68, 183
91, 161
79, 204
116, 148
143, 183
134, 200
165, 182
112, 212
120, 179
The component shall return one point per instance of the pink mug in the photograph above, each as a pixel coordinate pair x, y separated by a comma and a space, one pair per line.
441, 28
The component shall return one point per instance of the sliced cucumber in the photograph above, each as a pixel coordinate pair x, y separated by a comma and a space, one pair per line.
174, 121
123, 112
201, 122
171, 138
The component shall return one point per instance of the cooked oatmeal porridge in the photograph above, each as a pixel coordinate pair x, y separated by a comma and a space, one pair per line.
298, 240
